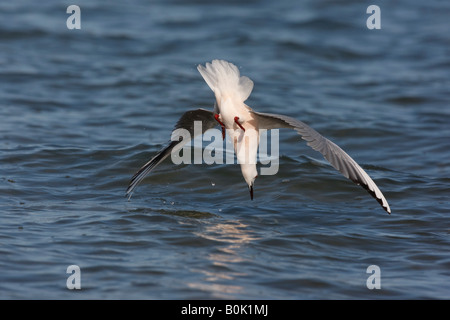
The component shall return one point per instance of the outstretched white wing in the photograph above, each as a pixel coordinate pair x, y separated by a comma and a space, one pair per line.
337, 157
186, 122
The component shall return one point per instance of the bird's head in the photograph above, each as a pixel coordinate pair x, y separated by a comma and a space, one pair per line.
250, 186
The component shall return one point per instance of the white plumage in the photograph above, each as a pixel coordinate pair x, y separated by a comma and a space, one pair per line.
225, 80
243, 124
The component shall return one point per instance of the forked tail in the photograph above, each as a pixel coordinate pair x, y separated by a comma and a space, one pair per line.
224, 80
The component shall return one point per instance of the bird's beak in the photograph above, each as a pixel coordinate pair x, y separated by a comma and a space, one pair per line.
251, 192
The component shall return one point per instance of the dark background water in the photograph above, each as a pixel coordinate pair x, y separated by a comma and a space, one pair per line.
82, 110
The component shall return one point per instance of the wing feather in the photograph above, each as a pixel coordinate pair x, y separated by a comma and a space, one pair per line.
186, 122
337, 157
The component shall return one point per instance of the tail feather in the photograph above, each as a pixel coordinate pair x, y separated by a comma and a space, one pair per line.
224, 79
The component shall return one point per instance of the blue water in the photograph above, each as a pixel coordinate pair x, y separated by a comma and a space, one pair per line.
82, 110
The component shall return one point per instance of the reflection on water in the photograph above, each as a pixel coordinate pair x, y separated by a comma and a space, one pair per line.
225, 263
82, 110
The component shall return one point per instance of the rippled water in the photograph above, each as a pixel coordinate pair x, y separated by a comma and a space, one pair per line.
82, 110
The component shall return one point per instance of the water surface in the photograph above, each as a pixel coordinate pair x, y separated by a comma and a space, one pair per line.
82, 110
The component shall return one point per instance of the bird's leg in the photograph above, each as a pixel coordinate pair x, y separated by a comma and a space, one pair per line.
236, 119
216, 116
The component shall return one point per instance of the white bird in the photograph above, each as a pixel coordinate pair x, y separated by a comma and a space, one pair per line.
243, 124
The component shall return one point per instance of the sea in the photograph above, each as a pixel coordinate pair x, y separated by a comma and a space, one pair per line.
90, 91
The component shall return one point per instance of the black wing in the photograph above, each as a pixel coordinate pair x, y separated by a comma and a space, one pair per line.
186, 122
